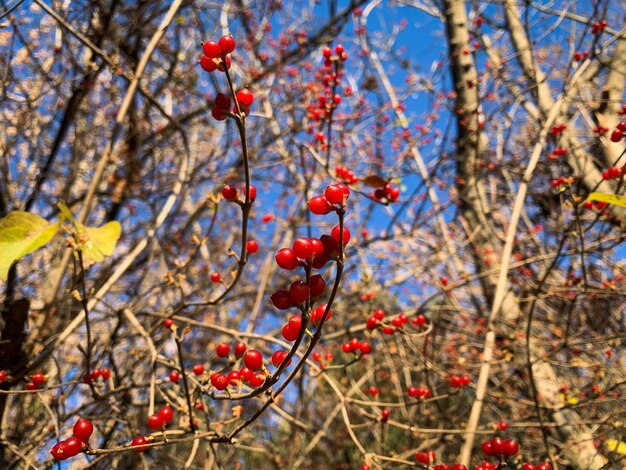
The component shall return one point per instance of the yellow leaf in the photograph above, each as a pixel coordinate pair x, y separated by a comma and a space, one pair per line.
22, 233
609, 198
99, 242
616, 446
96, 243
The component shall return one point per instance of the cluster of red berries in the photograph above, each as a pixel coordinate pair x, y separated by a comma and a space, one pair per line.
613, 173
499, 447
223, 349
231, 193
318, 313
161, 419
418, 392
561, 181
299, 291
346, 175
455, 466
221, 104
540, 466
459, 381
484, 465
580, 56
35, 382
334, 195
426, 457
389, 193
327, 100
376, 320
292, 329
317, 356
618, 133
556, 130
74, 445
598, 26
95, 374
251, 372
309, 251
557, 152
355, 346
590, 205
600, 130
216, 54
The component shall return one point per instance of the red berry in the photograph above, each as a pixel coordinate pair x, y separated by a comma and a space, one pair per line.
174, 376
167, 414
198, 369
73, 446
245, 97
253, 360
384, 415
319, 205
229, 192
510, 447
218, 113
38, 379
211, 49
616, 135
245, 374
335, 234
83, 429
497, 446
334, 194
252, 192
31, 386
257, 379
219, 381
222, 350
373, 391
234, 377
317, 285
303, 248
278, 357
252, 247
139, 441
298, 292
365, 348
207, 64
286, 259
292, 329
227, 44
327, 52
339, 49
58, 451
167, 323
281, 300
487, 450
425, 457
216, 277
3, 376
155, 422
240, 349
222, 101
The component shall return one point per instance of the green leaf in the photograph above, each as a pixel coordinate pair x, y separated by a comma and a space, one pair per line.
616, 446
609, 198
99, 242
22, 233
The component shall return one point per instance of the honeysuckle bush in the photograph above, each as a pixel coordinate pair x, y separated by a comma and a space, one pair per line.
158, 156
